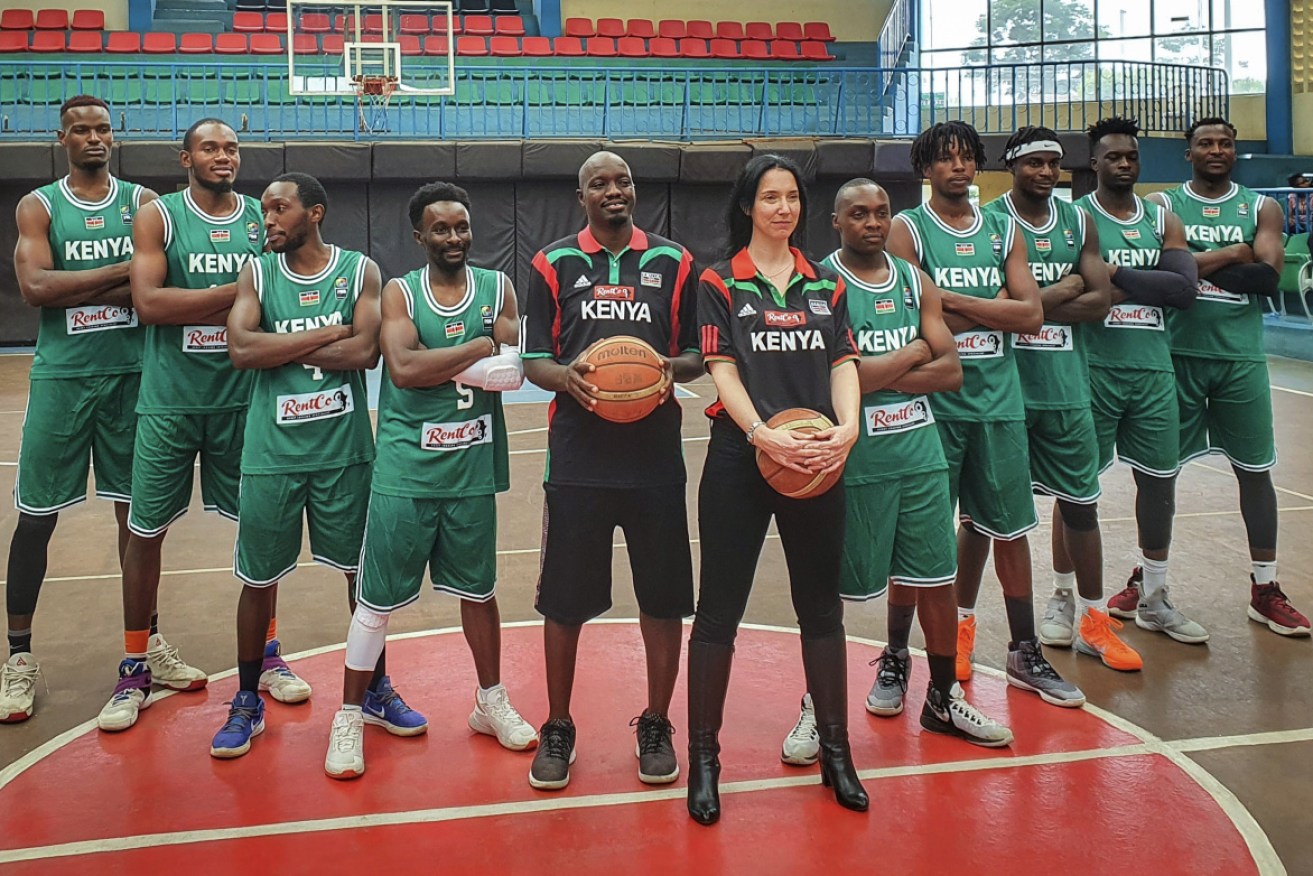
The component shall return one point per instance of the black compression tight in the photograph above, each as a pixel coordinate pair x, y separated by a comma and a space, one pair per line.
27, 562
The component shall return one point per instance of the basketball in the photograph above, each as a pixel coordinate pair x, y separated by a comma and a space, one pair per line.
784, 480
628, 376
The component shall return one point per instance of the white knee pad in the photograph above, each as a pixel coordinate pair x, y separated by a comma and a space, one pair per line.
365, 639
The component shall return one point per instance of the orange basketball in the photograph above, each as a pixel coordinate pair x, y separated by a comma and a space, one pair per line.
628, 376
786, 481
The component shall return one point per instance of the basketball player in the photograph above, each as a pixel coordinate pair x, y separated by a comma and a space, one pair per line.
611, 279
1222, 385
74, 245
1132, 387
899, 518
979, 263
188, 249
442, 459
1064, 256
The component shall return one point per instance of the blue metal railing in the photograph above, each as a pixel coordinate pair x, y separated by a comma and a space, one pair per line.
896, 33
154, 100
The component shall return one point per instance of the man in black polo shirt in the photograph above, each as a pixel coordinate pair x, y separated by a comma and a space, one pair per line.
601, 474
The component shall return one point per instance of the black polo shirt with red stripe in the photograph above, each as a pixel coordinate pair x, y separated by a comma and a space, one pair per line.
784, 345
579, 293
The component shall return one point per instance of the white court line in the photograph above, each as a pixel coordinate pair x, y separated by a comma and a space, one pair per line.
1222, 471
1212, 743
528, 431
1292, 391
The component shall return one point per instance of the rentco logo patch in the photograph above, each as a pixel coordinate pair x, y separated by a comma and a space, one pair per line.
785, 318
613, 293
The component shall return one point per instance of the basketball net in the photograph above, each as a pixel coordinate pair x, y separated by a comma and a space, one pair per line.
373, 94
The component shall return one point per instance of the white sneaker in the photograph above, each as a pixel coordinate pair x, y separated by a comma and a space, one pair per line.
18, 687
276, 677
802, 747
495, 716
169, 670
1158, 615
1057, 629
131, 695
346, 745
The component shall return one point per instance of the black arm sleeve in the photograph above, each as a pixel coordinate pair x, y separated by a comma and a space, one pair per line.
1256, 278
1173, 284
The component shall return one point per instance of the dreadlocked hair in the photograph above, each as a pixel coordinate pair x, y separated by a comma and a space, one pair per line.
1113, 125
1027, 134
933, 144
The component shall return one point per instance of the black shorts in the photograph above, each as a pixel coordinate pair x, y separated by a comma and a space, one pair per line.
578, 525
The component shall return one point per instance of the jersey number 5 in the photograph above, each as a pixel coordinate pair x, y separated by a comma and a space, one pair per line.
466, 400
315, 372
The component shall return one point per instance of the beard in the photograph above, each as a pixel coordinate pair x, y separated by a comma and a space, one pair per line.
218, 186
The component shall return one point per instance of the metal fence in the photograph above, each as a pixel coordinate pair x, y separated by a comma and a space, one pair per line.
154, 100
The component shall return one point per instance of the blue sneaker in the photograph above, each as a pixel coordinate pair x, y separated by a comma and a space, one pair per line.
385, 708
245, 720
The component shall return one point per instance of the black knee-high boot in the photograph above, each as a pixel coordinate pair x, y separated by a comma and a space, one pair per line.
708, 680
825, 662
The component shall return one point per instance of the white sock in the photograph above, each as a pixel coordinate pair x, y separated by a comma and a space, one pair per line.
1083, 605
485, 692
351, 707
1155, 577
1265, 573
1063, 582
964, 613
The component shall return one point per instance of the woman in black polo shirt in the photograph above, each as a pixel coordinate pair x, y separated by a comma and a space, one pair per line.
774, 334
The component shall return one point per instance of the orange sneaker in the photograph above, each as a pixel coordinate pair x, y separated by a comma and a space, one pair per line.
1098, 638
966, 646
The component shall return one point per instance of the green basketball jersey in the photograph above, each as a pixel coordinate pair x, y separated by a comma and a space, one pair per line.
894, 440
303, 418
88, 338
1132, 335
186, 369
446, 441
1222, 324
1051, 362
970, 262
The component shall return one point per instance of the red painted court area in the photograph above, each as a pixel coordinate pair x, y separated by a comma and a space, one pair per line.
1072, 791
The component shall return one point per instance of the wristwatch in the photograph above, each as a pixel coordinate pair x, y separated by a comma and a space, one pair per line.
753, 429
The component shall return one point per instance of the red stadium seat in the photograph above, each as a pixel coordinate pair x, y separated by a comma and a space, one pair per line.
568, 47
729, 30
13, 41
477, 25
267, 44
159, 43
439, 25
724, 49
601, 47
373, 23
504, 47
579, 28
818, 30
332, 43
669, 28
305, 44
663, 47
47, 41
17, 19
759, 30
699, 29
471, 46
784, 50
640, 28
410, 44
435, 46
229, 43
789, 30
248, 22
275, 22
84, 41
508, 26
631, 47
610, 27
815, 50
415, 24
691, 48
52, 19
315, 22
198, 43
754, 50
88, 19
123, 42
536, 46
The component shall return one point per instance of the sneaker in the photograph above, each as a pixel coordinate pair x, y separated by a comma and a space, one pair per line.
346, 745
131, 695
1160, 616
886, 696
1028, 670
954, 716
494, 715
802, 747
551, 764
169, 670
1268, 605
385, 708
1057, 627
966, 646
1098, 638
656, 754
276, 677
18, 687
1124, 603
245, 721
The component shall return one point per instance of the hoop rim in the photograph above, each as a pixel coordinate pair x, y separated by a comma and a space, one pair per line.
375, 84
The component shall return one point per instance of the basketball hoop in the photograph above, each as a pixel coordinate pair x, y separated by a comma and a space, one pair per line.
373, 94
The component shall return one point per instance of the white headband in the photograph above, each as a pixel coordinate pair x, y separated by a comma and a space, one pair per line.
1034, 146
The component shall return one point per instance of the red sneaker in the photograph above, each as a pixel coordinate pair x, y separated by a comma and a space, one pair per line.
1268, 605
1123, 604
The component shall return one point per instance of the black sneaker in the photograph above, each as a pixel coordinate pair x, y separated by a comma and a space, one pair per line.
656, 754
551, 763
954, 716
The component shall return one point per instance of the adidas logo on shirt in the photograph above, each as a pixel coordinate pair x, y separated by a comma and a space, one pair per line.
582, 283
747, 310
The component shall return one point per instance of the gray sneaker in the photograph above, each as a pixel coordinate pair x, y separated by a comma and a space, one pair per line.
802, 747
656, 755
1158, 615
886, 697
954, 716
1028, 670
1058, 626
551, 762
